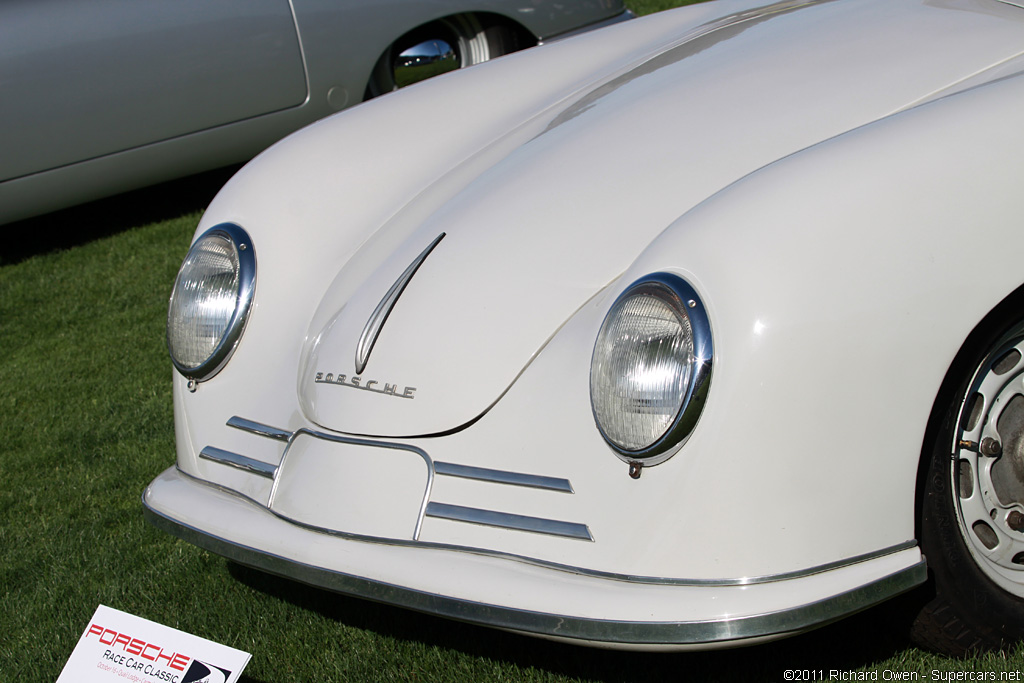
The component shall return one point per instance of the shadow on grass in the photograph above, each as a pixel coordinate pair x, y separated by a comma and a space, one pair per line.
80, 224
862, 640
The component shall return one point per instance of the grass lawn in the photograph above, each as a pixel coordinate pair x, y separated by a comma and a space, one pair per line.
86, 423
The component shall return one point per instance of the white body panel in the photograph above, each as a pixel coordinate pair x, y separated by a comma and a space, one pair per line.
819, 204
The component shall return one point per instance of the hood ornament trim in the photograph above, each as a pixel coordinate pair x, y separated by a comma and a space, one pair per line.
380, 315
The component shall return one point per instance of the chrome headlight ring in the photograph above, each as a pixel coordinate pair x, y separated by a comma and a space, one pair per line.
211, 300
651, 369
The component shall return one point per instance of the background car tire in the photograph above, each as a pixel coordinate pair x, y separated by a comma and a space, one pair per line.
976, 561
474, 40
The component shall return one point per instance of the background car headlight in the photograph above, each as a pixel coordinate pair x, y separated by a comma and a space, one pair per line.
211, 300
651, 368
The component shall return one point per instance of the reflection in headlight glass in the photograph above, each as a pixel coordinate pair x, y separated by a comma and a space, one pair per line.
641, 370
204, 301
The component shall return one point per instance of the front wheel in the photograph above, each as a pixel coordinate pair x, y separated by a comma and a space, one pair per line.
972, 521
444, 45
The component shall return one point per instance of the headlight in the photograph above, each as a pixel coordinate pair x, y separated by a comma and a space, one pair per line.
210, 301
651, 368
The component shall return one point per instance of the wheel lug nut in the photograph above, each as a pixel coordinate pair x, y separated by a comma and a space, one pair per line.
991, 447
1015, 520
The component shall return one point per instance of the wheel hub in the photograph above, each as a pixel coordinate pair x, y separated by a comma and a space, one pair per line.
1008, 470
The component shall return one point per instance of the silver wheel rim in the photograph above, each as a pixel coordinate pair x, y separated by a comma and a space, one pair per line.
987, 467
464, 33
473, 47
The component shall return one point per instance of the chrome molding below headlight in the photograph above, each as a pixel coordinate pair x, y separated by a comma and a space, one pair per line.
259, 429
505, 520
241, 462
533, 481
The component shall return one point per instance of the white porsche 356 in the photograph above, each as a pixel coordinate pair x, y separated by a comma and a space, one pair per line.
703, 329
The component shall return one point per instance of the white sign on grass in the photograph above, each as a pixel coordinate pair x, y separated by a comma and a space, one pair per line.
122, 647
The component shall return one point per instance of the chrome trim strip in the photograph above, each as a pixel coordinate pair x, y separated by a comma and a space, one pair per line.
376, 322
302, 51
258, 428
534, 481
787, 621
505, 520
241, 462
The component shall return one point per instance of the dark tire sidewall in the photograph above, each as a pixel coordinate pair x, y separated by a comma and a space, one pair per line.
993, 616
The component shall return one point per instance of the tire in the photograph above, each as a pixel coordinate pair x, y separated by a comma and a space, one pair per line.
472, 42
972, 507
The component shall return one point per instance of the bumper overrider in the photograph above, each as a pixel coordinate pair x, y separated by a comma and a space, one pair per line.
506, 590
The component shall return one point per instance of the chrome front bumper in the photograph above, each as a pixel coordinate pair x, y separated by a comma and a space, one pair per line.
518, 594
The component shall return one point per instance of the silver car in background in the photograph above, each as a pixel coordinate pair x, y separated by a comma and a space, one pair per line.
105, 96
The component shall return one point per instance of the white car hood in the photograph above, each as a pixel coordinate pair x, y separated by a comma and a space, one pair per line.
583, 187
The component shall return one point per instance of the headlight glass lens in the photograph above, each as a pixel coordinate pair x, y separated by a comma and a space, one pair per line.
210, 301
651, 352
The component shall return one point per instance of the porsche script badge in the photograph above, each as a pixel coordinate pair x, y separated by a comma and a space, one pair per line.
356, 382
